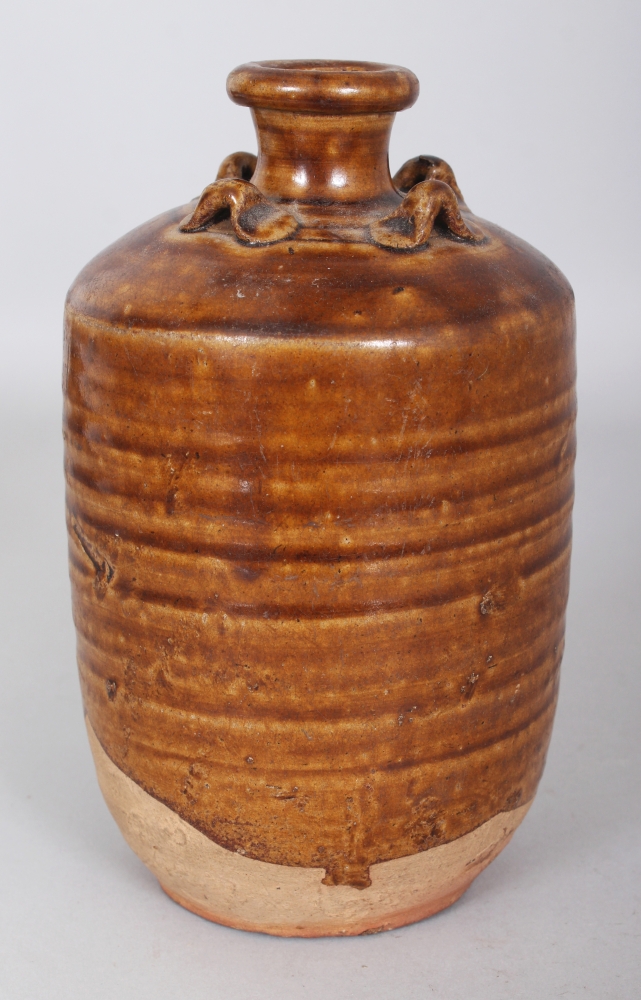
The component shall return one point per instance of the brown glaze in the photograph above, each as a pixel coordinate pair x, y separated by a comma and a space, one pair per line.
230, 888
323, 86
319, 492
421, 168
254, 218
410, 225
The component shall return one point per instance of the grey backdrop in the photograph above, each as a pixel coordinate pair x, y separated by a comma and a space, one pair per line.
114, 111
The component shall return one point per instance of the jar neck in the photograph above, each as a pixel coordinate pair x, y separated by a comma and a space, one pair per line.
320, 158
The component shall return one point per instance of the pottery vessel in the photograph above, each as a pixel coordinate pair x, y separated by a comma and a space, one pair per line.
319, 431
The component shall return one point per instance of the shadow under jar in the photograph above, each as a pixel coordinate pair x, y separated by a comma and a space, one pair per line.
319, 432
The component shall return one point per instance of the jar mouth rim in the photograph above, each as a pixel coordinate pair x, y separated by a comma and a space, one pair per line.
323, 86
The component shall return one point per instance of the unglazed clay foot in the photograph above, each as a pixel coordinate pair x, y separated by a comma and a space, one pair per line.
230, 889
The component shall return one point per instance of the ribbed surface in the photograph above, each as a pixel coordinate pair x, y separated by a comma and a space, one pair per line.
320, 580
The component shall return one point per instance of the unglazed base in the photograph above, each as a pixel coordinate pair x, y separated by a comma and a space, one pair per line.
231, 889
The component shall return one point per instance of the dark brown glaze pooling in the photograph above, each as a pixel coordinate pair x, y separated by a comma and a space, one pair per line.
319, 498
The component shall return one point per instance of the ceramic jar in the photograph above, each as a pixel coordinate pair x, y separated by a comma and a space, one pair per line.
319, 432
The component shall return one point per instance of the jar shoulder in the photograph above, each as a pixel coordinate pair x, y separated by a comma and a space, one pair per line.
157, 277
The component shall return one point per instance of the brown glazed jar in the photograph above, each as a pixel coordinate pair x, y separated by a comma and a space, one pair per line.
319, 435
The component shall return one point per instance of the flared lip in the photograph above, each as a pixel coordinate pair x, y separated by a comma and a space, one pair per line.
323, 86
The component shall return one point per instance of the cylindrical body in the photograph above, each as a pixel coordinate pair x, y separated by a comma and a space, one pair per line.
319, 498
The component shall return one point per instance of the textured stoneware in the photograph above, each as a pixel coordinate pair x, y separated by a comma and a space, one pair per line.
319, 432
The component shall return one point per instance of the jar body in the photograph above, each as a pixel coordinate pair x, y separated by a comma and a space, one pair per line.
319, 504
